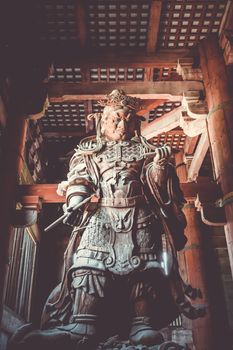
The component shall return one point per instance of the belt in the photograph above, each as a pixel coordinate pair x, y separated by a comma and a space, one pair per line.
121, 202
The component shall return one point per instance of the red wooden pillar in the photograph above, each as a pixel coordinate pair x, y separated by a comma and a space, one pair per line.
194, 273
191, 262
220, 125
11, 166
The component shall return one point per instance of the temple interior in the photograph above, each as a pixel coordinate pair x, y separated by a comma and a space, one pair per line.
58, 59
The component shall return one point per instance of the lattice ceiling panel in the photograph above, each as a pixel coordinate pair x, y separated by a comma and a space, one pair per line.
162, 109
71, 116
185, 22
116, 74
174, 138
64, 115
59, 20
72, 74
112, 74
118, 24
59, 139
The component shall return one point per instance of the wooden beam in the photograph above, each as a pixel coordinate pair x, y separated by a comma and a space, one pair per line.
83, 133
168, 90
47, 192
81, 25
148, 105
190, 145
60, 133
153, 27
199, 156
72, 57
168, 121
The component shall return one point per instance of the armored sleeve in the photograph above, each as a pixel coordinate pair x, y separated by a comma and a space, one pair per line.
79, 182
169, 201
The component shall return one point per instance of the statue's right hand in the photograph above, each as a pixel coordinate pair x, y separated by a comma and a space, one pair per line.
73, 216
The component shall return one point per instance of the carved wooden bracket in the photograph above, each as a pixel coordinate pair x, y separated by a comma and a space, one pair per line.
226, 43
211, 214
27, 211
194, 162
193, 120
186, 70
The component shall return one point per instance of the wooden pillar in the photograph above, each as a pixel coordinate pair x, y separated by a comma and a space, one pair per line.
12, 160
194, 273
220, 125
191, 262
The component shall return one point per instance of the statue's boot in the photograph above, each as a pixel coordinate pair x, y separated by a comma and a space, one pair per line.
82, 330
143, 333
42, 339
86, 307
80, 334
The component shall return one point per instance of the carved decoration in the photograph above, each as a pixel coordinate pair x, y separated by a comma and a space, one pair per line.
186, 70
193, 122
198, 157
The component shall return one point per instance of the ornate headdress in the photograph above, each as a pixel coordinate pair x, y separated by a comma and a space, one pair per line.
119, 98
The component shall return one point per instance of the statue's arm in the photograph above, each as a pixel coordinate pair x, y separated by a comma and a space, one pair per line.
77, 188
165, 189
160, 170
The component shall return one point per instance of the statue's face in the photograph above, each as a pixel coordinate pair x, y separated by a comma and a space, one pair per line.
118, 125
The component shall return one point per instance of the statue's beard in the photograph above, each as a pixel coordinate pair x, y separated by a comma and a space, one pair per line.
122, 135
116, 135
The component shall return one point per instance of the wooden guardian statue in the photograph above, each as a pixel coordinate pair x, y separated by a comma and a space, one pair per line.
125, 204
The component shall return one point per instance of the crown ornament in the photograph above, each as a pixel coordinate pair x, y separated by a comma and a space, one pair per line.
118, 98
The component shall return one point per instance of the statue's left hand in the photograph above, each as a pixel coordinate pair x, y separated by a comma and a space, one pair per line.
160, 161
162, 155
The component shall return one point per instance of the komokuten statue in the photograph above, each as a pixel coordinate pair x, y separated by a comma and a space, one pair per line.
121, 273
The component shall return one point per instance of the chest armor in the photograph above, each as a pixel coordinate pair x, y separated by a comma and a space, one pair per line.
120, 165
126, 151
